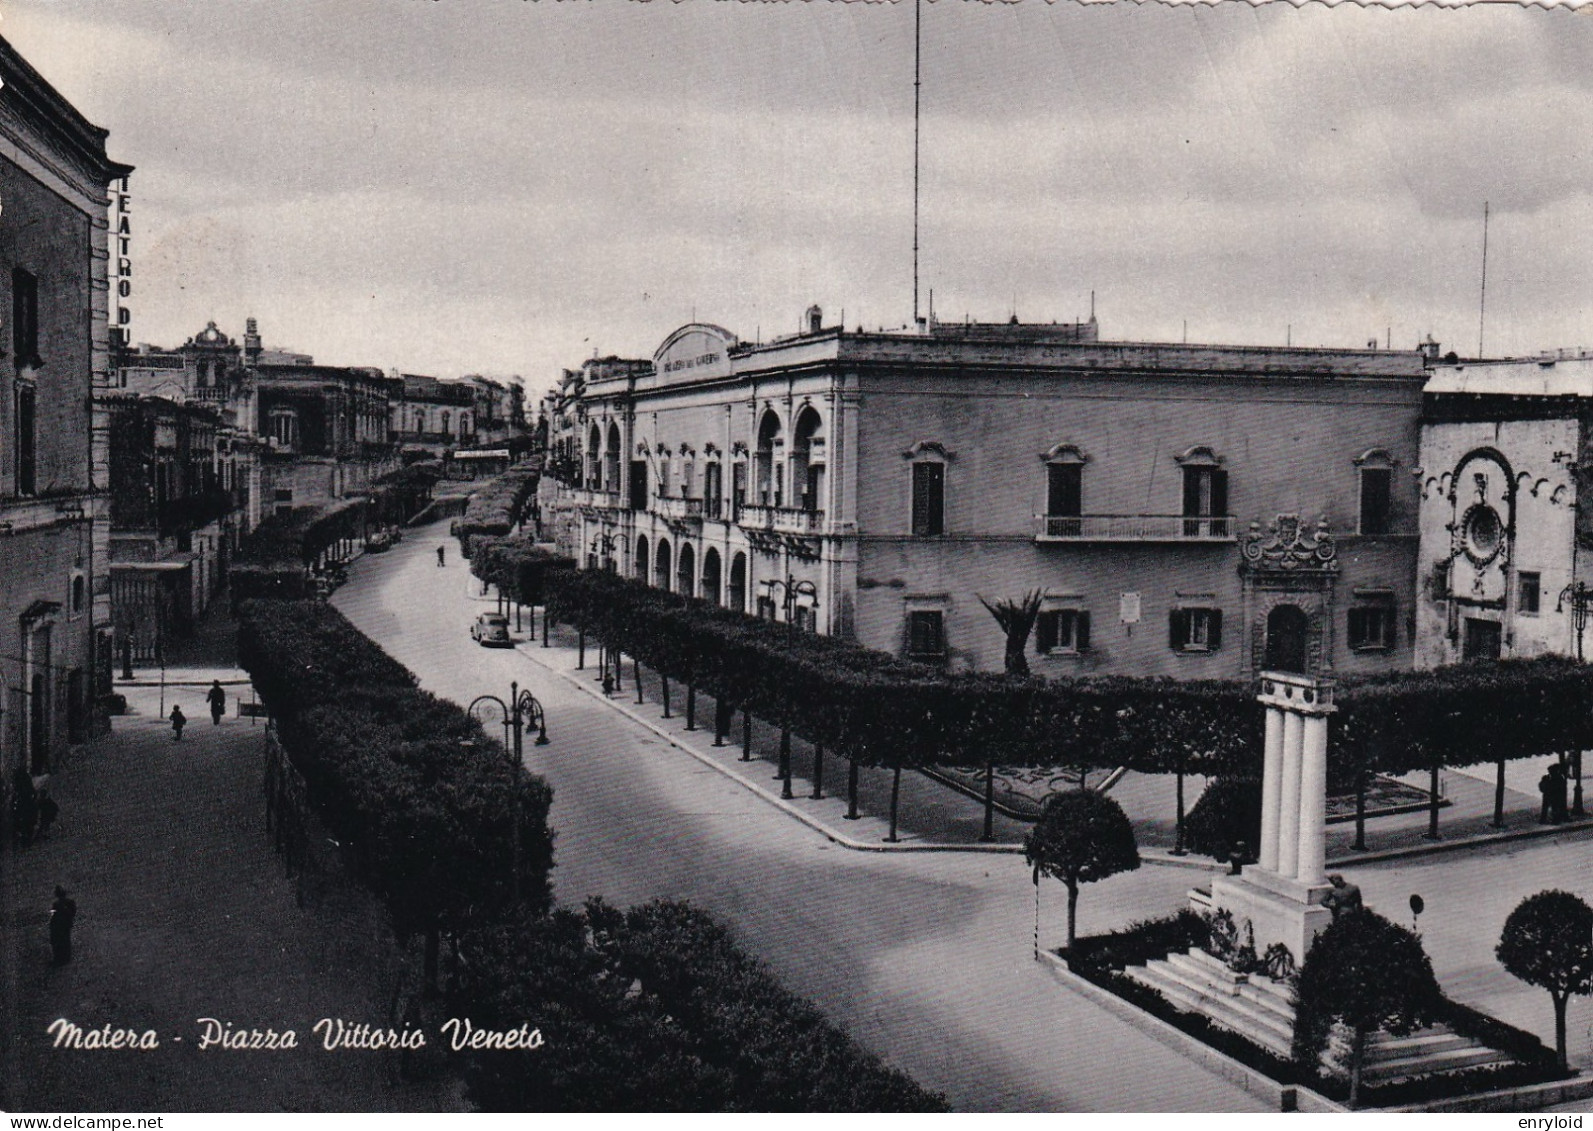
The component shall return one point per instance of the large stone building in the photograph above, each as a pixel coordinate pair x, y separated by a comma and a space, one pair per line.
1183, 510
1506, 459
301, 434
55, 609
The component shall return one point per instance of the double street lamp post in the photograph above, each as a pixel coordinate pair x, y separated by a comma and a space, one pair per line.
792, 590
522, 708
1581, 598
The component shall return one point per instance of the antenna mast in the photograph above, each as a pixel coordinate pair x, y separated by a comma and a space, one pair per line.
1482, 304
917, 21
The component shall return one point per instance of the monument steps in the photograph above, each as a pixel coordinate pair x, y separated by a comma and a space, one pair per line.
1262, 1011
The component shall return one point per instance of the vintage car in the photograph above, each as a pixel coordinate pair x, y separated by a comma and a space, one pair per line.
491, 630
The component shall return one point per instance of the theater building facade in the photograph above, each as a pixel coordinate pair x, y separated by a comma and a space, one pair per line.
1181, 510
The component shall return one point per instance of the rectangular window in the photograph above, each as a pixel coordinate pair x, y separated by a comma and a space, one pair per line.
1205, 502
738, 489
26, 438
929, 499
1371, 626
282, 495
766, 607
1062, 632
1376, 494
1065, 489
1529, 589
24, 317
926, 634
1194, 630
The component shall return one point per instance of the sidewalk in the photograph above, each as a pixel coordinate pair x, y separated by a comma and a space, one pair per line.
934, 817
184, 913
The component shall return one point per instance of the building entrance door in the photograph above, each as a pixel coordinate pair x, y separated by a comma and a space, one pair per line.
1482, 640
1286, 635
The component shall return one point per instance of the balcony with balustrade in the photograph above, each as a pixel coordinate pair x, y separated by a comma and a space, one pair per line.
782, 520
1135, 528
591, 497
677, 510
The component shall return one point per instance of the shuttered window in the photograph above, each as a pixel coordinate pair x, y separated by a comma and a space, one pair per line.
929, 499
1194, 630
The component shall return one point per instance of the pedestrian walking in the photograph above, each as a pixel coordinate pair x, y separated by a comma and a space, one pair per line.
1553, 786
217, 698
48, 811
440, 556
24, 806
178, 721
63, 913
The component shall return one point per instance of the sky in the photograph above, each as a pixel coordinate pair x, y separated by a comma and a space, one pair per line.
509, 187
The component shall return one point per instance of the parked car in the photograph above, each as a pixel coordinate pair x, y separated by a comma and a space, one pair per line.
378, 543
491, 630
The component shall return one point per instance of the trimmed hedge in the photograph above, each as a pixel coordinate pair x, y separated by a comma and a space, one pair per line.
417, 794
881, 710
515, 566
656, 1009
499, 504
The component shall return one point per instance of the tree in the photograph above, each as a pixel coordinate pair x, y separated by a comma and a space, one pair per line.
1081, 837
1368, 973
1548, 941
1016, 619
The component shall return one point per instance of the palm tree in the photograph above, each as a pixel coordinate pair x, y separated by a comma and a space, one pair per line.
1016, 619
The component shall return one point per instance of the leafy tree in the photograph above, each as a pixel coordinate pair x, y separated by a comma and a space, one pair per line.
1227, 813
1081, 837
655, 1009
1370, 974
1016, 619
1548, 941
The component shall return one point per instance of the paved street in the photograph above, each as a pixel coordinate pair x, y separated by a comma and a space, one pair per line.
927, 959
184, 913
872, 936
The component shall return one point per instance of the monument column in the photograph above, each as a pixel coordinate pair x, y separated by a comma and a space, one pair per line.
1313, 799
1271, 780
1279, 898
1289, 795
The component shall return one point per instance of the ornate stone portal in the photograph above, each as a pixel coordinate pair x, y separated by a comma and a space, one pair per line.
1280, 896
1288, 568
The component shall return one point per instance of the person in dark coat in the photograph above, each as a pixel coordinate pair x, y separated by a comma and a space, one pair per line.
217, 698
48, 811
24, 806
1547, 788
63, 913
1344, 897
178, 721
1559, 802
441, 554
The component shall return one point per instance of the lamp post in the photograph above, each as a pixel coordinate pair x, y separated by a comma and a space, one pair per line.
792, 590
603, 543
1581, 598
523, 707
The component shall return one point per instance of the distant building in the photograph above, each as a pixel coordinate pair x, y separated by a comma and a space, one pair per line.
433, 416
55, 599
1185, 510
1506, 467
179, 499
310, 434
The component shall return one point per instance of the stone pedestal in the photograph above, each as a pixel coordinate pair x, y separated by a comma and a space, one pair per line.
1279, 898
1277, 910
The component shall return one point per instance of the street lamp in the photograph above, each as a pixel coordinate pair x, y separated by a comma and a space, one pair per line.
792, 590
525, 708
1581, 598
604, 544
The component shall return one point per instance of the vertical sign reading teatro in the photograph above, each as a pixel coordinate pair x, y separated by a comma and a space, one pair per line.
121, 260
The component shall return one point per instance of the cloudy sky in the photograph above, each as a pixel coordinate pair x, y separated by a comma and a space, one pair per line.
450, 186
